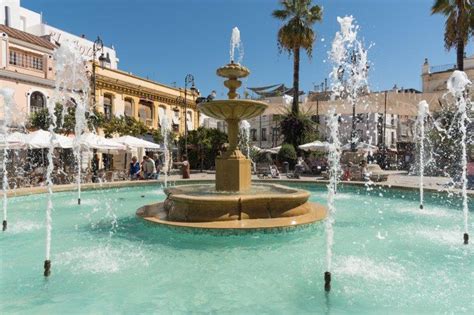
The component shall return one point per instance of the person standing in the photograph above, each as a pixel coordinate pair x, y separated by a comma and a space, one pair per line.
95, 168
185, 167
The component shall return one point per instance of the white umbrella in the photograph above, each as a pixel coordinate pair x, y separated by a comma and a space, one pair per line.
93, 141
363, 146
40, 139
136, 143
315, 146
14, 140
274, 150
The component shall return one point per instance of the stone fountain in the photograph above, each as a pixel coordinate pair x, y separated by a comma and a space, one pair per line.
234, 203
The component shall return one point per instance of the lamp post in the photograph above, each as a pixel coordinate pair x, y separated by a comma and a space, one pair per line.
189, 79
98, 46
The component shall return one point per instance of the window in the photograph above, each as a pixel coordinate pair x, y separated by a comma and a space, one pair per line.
163, 118
108, 106
189, 120
37, 102
26, 60
253, 134
393, 138
128, 107
145, 112
360, 118
264, 134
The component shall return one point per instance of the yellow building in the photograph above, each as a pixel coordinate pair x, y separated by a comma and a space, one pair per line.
120, 93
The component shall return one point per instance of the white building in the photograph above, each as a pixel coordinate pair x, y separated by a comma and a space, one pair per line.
12, 14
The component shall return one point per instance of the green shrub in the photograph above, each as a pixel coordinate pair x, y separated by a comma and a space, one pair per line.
287, 153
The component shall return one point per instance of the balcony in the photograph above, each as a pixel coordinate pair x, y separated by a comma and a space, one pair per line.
443, 68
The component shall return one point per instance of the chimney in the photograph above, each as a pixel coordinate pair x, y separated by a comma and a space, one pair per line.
7, 16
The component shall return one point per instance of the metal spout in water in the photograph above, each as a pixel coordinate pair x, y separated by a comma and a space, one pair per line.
327, 281
4, 224
79, 201
47, 268
466, 238
421, 207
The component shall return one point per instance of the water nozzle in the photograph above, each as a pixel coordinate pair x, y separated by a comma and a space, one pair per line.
47, 268
421, 207
79, 201
327, 281
466, 238
4, 224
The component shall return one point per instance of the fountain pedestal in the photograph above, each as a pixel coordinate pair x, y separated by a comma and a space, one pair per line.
233, 174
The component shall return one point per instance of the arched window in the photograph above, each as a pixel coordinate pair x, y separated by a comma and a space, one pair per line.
145, 112
37, 102
108, 106
128, 107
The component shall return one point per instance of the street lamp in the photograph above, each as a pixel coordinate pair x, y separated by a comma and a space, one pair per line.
98, 46
189, 79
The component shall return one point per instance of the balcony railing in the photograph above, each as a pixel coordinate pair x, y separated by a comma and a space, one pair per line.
443, 68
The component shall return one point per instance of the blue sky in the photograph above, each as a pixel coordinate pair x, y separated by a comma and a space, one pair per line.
167, 39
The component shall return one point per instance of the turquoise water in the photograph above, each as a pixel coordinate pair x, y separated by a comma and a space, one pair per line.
389, 257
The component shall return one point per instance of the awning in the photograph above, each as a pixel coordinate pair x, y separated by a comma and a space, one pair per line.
136, 143
41, 139
315, 146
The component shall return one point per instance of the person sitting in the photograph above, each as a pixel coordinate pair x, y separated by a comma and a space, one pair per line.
148, 168
364, 172
347, 175
274, 171
134, 169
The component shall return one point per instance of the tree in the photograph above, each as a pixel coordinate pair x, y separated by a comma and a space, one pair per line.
296, 34
203, 146
298, 128
459, 25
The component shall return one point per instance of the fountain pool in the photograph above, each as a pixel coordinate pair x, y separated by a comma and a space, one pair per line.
391, 258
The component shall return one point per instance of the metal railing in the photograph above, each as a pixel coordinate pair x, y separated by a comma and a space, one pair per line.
443, 68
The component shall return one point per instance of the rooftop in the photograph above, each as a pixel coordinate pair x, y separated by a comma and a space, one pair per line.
26, 37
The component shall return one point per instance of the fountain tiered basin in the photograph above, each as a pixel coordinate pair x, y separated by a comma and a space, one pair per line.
263, 206
233, 202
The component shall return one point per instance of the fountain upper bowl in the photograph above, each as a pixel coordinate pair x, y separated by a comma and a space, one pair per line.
233, 71
232, 109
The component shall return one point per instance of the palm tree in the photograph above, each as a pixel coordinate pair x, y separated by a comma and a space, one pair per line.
459, 25
296, 34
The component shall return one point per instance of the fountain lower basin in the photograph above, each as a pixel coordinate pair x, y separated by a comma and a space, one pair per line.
263, 206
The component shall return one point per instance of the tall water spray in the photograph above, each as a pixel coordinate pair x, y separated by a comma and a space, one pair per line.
72, 87
349, 79
49, 207
8, 102
236, 44
334, 156
423, 110
459, 85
